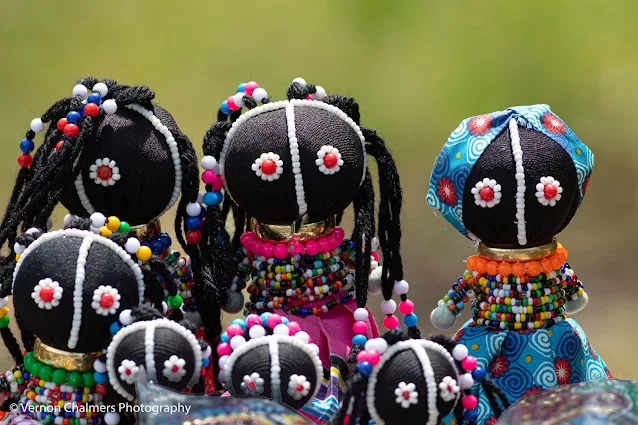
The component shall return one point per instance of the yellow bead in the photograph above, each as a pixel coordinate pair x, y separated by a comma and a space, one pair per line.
17, 374
530, 310
508, 301
41, 383
85, 398
104, 231
3, 312
493, 307
17, 257
523, 317
144, 254
277, 285
113, 223
61, 403
517, 325
87, 390
537, 324
580, 292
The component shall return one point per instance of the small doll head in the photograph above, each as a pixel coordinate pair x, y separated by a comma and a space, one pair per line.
401, 380
113, 152
268, 356
166, 351
513, 178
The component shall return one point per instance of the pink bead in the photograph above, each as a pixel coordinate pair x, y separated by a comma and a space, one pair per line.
252, 320
234, 330
360, 327
281, 251
339, 233
231, 104
312, 248
224, 349
373, 357
406, 307
218, 183
293, 327
375, 255
274, 320
324, 244
469, 402
266, 250
309, 97
299, 248
391, 322
361, 356
469, 363
245, 237
208, 176
249, 88
256, 247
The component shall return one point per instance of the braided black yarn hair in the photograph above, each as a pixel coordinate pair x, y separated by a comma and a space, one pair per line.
353, 410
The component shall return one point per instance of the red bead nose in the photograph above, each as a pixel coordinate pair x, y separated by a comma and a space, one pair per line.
46, 294
268, 167
252, 385
406, 395
330, 160
550, 191
299, 388
487, 194
104, 172
107, 301
175, 369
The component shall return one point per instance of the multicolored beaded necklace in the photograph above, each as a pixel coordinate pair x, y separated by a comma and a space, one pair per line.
513, 293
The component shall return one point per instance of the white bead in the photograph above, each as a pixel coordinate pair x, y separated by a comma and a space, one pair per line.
19, 249
361, 314
466, 381
401, 287
111, 418
67, 219
101, 88
256, 331
303, 336
238, 98
259, 94
320, 93
209, 162
49, 224
37, 125
99, 366
459, 352
132, 245
222, 360
237, 341
98, 220
314, 348
32, 230
377, 344
193, 209
300, 81
3, 302
125, 316
164, 307
222, 376
388, 306
109, 106
80, 90
281, 329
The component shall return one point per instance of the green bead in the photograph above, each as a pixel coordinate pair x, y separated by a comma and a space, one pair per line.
59, 377
4, 322
175, 301
45, 372
75, 379
89, 381
124, 227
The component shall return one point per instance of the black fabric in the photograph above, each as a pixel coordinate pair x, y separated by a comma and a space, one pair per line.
167, 342
542, 157
255, 360
57, 259
275, 202
145, 163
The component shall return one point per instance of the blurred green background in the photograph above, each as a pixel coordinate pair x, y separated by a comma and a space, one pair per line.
417, 69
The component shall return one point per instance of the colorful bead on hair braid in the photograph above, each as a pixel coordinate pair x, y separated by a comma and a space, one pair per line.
91, 105
236, 101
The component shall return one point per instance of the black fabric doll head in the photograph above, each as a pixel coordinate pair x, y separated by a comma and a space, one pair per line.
166, 351
417, 381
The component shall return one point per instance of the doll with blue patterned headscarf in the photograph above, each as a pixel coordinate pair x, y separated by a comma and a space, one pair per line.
511, 181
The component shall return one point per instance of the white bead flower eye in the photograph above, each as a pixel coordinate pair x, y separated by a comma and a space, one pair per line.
298, 387
128, 371
47, 294
449, 389
253, 384
174, 368
487, 193
105, 172
406, 394
329, 160
548, 191
268, 166
106, 300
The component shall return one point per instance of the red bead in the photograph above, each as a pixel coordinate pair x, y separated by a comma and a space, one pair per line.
550, 191
406, 307
107, 301
231, 104
487, 194
391, 322
330, 160
299, 388
208, 177
91, 109
218, 183
71, 130
252, 385
175, 369
104, 172
100, 388
62, 123
193, 237
59, 145
309, 97
250, 87
25, 160
375, 255
268, 167
469, 402
46, 294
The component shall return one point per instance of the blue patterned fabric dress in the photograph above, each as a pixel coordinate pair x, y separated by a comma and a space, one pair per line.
527, 362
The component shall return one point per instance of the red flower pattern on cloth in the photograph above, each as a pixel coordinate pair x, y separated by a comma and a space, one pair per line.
608, 373
586, 183
499, 366
457, 336
534, 389
563, 370
491, 420
552, 123
446, 191
480, 125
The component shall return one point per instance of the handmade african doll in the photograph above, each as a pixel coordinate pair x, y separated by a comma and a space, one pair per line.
400, 380
511, 181
71, 290
288, 170
109, 151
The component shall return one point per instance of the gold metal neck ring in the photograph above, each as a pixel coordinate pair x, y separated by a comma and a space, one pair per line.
284, 232
64, 359
517, 254
147, 231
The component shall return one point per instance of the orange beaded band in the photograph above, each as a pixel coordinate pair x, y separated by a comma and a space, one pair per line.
532, 268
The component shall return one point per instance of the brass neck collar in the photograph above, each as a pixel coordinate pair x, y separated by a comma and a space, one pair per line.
517, 254
64, 359
147, 231
281, 233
